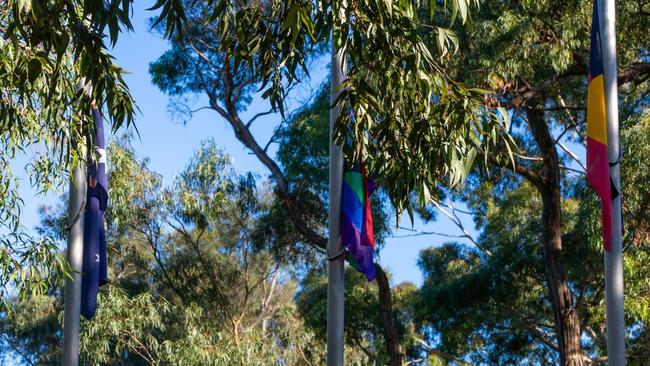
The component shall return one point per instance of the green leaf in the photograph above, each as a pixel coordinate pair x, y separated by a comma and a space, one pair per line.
34, 69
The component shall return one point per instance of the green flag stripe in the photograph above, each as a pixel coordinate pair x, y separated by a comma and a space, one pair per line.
351, 260
355, 182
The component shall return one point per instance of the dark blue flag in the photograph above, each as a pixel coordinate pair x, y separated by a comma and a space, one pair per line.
94, 273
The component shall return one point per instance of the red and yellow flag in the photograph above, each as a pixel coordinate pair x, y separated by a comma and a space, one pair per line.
597, 156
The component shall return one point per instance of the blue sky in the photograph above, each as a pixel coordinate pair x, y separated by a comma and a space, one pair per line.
169, 143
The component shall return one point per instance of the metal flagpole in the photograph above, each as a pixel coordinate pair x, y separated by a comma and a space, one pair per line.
72, 299
613, 258
335, 284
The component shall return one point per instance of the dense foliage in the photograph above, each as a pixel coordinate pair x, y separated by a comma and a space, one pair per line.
226, 268
46, 49
494, 308
534, 56
412, 122
188, 284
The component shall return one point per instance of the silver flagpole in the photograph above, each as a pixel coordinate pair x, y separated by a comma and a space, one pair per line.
613, 258
72, 299
335, 284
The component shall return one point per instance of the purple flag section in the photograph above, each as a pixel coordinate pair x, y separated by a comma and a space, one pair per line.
94, 266
356, 220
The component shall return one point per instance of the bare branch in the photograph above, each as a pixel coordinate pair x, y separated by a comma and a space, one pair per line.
431, 350
199, 109
261, 114
244, 135
563, 108
564, 167
573, 156
451, 214
544, 337
531, 158
423, 233
463, 211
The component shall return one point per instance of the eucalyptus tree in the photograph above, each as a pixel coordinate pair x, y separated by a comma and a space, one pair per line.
45, 49
534, 56
413, 123
189, 283
495, 308
415, 126
363, 323
230, 300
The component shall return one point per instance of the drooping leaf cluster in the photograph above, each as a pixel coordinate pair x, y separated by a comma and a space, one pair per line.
46, 49
417, 127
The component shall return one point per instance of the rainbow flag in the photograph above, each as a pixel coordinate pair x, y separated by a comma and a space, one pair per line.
356, 220
597, 156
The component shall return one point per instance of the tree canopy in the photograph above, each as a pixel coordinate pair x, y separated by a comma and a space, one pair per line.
534, 56
226, 267
46, 49
415, 125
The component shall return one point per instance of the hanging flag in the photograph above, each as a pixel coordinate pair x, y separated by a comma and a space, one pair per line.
597, 156
356, 220
94, 271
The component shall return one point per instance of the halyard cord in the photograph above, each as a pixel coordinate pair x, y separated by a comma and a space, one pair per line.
618, 160
78, 215
339, 254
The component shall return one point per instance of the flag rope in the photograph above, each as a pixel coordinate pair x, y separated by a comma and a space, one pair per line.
78, 215
333, 257
618, 160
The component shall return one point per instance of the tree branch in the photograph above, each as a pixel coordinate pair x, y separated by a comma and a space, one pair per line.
261, 114
636, 73
533, 177
244, 135
429, 349
456, 220
573, 156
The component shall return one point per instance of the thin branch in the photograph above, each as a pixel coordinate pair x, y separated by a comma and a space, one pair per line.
635, 73
16, 348
531, 158
463, 211
573, 156
431, 350
365, 350
529, 174
211, 64
268, 144
543, 336
581, 172
458, 222
245, 136
261, 114
563, 108
423, 233
574, 122
199, 109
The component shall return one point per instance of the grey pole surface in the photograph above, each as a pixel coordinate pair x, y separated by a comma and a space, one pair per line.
613, 258
335, 283
72, 301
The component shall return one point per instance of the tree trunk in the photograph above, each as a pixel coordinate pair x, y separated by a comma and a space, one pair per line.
387, 320
244, 135
567, 324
